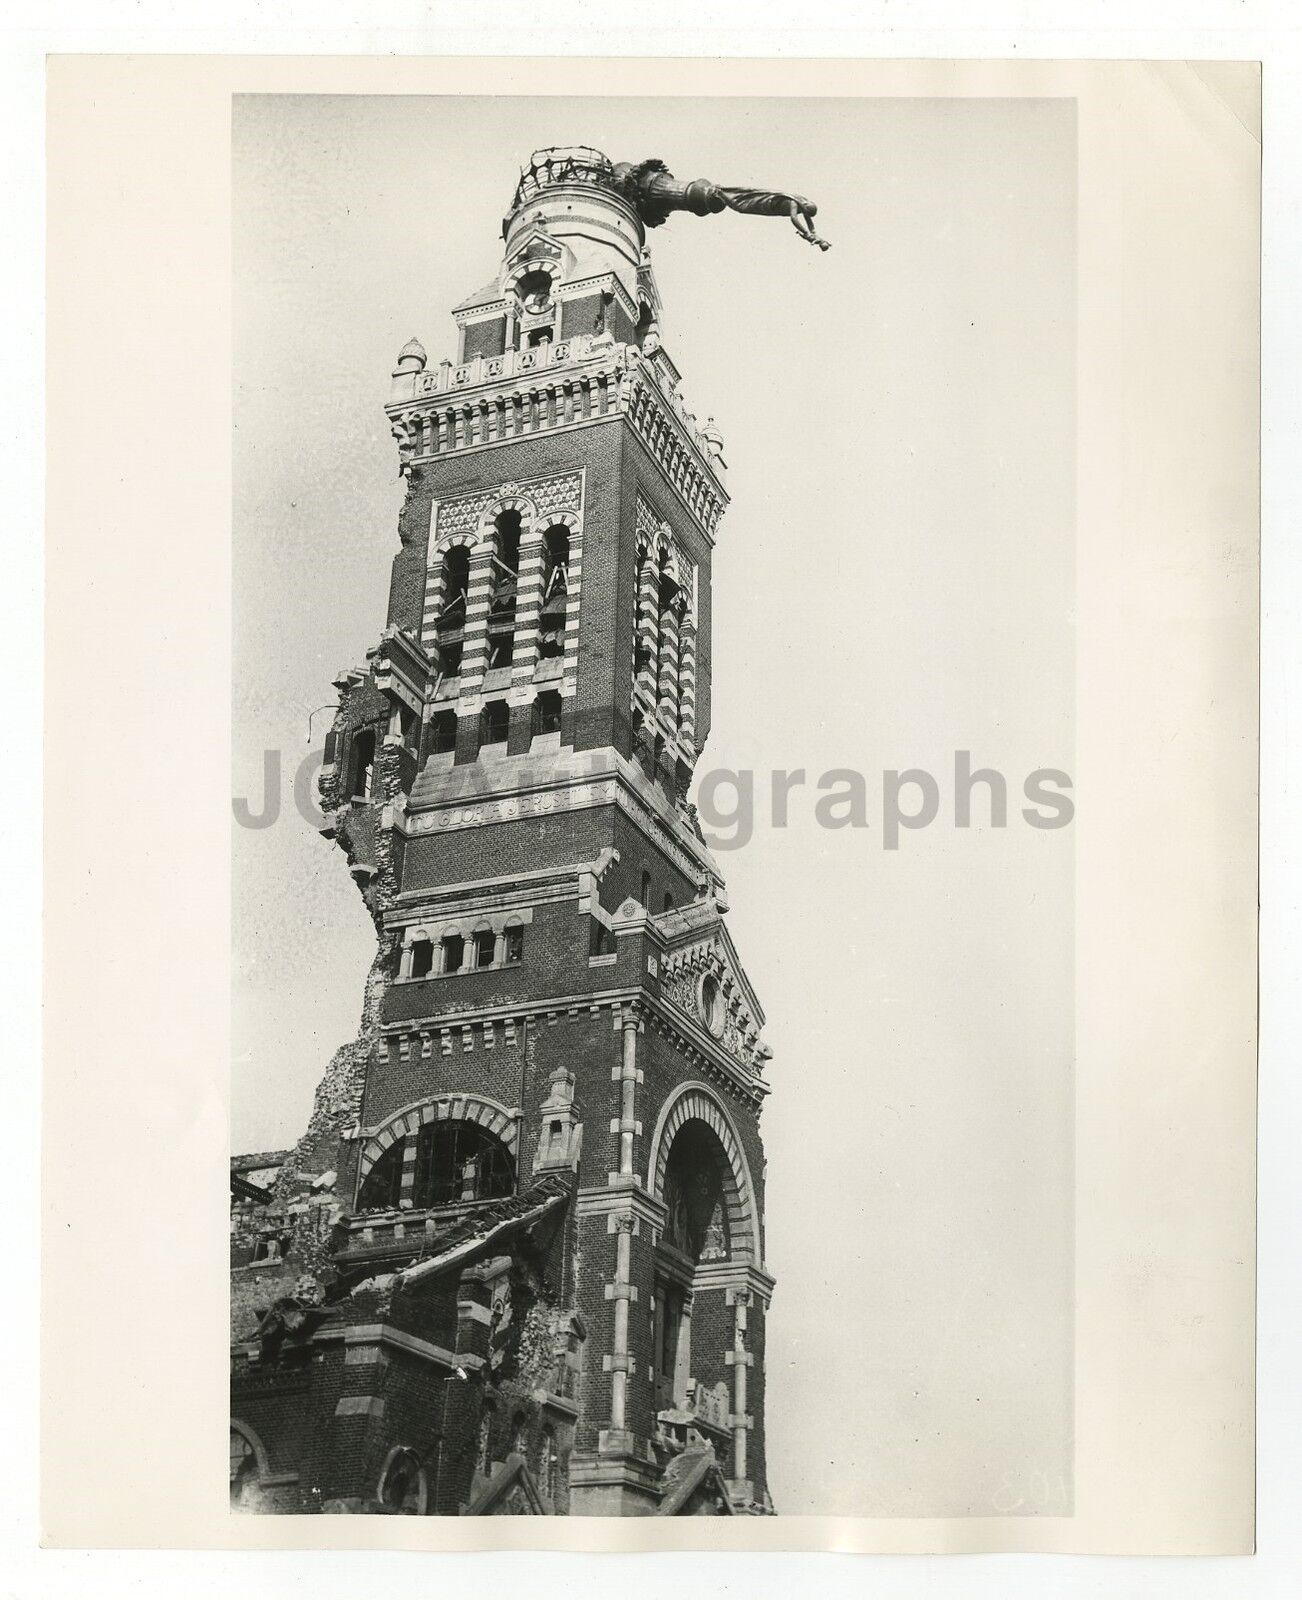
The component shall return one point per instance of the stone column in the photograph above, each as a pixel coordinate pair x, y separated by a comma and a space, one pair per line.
528, 603
683, 1351
474, 655
667, 676
626, 1125
687, 681
621, 1291
648, 634
740, 1360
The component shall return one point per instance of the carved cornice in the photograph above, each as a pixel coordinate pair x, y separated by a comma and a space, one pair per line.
710, 1061
578, 382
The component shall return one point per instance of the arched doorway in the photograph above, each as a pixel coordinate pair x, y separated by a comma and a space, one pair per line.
695, 1194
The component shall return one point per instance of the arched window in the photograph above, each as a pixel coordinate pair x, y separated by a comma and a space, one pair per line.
514, 951
694, 1194
484, 945
422, 958
244, 1471
547, 713
494, 721
695, 1189
402, 1484
556, 590
452, 952
363, 763
646, 891
556, 561
403, 721
670, 604
645, 579
456, 1161
443, 733
454, 583
506, 550
450, 630
535, 291
504, 575
646, 320
382, 1189
548, 1463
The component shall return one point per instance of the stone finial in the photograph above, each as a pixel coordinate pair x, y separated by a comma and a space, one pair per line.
412, 357
713, 438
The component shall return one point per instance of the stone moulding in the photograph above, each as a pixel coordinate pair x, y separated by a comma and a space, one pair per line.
561, 791
588, 379
704, 1053
497, 1119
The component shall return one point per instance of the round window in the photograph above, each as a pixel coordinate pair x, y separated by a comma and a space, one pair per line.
712, 1008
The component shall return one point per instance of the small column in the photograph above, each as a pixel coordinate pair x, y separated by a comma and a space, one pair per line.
474, 655
528, 603
570, 642
648, 635
408, 1194
683, 1351
739, 1359
687, 680
667, 677
622, 1291
628, 1076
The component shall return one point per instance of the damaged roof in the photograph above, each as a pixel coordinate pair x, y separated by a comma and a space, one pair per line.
492, 1225
488, 1225
693, 1469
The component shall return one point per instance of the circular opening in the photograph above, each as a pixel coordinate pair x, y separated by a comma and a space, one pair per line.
712, 1004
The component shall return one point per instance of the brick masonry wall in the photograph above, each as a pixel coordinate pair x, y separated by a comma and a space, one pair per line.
486, 338
584, 314
393, 1083
469, 855
642, 474
595, 447
278, 1409
618, 465
368, 1080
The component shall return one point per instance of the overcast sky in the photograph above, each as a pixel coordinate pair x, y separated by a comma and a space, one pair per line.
893, 583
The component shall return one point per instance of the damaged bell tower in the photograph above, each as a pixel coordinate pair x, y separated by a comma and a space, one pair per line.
516, 1262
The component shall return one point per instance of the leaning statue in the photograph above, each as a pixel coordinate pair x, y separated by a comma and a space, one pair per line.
656, 193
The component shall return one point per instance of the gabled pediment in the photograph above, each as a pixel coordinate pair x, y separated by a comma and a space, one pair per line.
694, 1486
508, 1491
537, 245
536, 249
702, 975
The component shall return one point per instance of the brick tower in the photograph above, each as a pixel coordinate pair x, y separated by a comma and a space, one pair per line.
515, 1264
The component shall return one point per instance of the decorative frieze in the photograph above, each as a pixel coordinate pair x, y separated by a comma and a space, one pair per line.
569, 383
